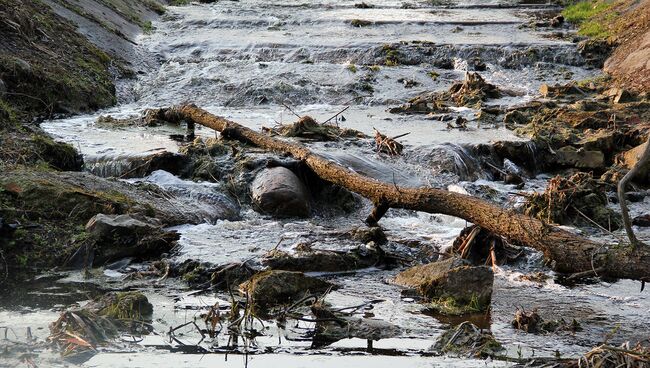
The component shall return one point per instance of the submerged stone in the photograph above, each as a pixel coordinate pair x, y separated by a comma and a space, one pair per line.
334, 326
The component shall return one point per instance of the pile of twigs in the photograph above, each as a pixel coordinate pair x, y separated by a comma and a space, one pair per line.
606, 356
77, 332
387, 144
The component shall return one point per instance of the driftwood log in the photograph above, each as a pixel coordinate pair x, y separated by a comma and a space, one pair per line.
565, 251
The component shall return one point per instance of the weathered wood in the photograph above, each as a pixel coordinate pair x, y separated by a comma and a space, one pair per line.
565, 251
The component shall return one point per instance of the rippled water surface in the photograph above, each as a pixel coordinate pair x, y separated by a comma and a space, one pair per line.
244, 60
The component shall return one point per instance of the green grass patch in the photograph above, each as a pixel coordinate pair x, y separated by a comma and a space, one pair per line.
594, 29
584, 10
147, 27
588, 15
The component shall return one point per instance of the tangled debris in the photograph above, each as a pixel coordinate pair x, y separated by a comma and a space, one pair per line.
471, 92
481, 247
578, 198
78, 333
606, 356
308, 128
387, 144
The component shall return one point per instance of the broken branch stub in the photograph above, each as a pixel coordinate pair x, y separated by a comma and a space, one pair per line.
566, 251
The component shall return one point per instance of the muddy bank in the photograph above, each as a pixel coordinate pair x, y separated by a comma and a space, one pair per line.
54, 63
628, 28
49, 212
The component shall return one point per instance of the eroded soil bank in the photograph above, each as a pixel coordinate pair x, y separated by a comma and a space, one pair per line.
130, 241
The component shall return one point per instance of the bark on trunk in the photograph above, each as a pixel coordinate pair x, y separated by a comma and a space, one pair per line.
566, 252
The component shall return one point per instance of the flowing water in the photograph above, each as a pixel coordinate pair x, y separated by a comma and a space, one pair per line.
243, 60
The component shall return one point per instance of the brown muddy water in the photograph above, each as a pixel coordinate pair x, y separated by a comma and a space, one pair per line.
243, 60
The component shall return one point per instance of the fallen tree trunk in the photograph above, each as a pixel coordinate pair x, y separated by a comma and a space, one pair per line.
566, 252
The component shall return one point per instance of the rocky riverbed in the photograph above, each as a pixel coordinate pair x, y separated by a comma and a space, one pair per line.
143, 242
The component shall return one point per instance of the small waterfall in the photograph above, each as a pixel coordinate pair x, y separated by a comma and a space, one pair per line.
449, 159
134, 165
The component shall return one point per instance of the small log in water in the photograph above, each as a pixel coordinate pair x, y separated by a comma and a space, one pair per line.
566, 252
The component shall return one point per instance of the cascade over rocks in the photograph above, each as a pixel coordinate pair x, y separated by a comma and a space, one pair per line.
471, 92
568, 252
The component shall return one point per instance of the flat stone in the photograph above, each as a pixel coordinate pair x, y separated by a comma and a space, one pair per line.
451, 278
271, 288
113, 226
580, 158
623, 96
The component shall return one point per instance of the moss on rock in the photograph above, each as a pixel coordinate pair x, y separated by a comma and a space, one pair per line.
46, 66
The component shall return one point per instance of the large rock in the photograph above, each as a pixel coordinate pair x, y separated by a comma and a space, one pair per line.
630, 158
120, 226
270, 288
453, 280
279, 192
122, 305
118, 236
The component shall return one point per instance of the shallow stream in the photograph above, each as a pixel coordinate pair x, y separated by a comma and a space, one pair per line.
243, 60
